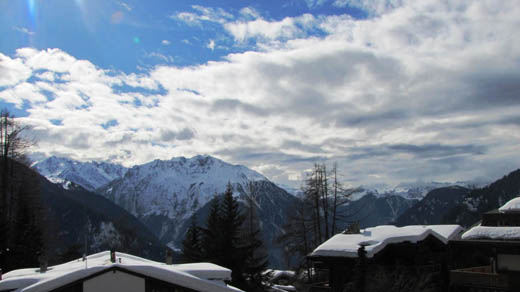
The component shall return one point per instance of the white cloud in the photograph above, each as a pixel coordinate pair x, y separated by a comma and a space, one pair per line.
162, 57
315, 3
427, 90
217, 15
211, 45
165, 42
126, 6
261, 29
250, 12
372, 7
23, 30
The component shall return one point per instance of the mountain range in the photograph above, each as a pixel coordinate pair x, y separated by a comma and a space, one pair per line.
164, 194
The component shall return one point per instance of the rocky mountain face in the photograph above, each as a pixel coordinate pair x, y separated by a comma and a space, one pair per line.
433, 207
478, 201
165, 193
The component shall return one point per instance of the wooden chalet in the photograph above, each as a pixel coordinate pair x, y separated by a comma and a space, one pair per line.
379, 258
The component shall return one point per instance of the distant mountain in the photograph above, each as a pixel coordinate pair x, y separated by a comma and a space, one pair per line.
89, 175
478, 201
433, 207
371, 210
415, 190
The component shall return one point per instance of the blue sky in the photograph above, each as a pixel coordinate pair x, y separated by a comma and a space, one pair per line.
134, 34
392, 90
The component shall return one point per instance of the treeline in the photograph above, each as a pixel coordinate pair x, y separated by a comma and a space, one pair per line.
231, 239
318, 215
21, 228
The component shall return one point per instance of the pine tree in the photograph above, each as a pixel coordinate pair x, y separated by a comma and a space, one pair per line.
232, 253
211, 235
192, 250
255, 253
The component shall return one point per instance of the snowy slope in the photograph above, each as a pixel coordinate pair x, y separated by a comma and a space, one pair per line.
175, 188
89, 175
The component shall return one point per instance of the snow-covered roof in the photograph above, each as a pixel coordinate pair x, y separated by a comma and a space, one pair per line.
377, 238
492, 232
200, 276
511, 206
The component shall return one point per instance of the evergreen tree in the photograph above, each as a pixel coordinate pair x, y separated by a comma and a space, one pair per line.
233, 253
255, 261
192, 250
211, 235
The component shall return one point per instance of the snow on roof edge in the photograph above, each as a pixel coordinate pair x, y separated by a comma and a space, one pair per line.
377, 238
512, 205
492, 232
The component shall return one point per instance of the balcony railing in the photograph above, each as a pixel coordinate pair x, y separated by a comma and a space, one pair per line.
320, 287
481, 277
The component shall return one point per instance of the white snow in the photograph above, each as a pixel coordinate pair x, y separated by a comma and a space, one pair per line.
200, 276
492, 232
377, 238
285, 287
511, 206
275, 274
89, 175
177, 187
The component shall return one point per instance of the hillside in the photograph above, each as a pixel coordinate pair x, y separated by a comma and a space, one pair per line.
478, 201
433, 207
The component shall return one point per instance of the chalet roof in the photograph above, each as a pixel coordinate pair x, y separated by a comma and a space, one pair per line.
512, 206
199, 276
377, 238
493, 232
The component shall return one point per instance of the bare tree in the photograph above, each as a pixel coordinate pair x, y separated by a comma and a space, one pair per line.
12, 147
12, 141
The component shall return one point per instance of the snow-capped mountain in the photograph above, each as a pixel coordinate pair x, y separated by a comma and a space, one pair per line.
414, 190
175, 188
89, 175
164, 194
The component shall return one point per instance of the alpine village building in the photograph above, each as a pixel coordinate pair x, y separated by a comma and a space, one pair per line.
487, 258
384, 258
119, 272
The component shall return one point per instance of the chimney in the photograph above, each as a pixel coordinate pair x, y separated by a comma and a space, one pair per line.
113, 255
169, 257
43, 263
353, 228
